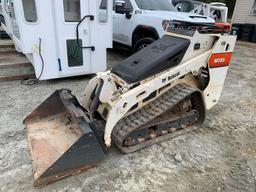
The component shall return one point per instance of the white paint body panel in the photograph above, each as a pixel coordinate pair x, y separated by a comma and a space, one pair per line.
7, 26
218, 75
54, 31
124, 28
192, 62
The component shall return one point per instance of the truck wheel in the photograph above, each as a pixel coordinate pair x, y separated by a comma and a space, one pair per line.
142, 43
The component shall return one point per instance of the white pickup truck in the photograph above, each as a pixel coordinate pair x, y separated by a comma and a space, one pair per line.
137, 23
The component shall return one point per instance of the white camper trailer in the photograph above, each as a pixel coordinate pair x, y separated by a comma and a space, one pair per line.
61, 38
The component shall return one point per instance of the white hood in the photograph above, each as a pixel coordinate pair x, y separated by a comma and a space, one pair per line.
180, 16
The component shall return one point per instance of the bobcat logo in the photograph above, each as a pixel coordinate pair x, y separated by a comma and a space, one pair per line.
171, 77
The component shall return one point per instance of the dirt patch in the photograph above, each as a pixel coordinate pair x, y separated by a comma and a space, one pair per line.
220, 156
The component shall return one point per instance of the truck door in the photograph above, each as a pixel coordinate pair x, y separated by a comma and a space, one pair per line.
122, 29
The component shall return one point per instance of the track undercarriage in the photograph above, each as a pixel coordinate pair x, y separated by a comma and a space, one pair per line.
172, 114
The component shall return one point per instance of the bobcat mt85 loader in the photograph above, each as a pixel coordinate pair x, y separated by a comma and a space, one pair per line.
156, 94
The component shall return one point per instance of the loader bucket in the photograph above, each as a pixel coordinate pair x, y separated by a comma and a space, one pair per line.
61, 141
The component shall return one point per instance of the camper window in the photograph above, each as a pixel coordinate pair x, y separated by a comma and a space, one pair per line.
103, 11
75, 53
30, 12
72, 10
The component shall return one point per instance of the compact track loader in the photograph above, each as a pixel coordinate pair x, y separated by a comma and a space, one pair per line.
156, 94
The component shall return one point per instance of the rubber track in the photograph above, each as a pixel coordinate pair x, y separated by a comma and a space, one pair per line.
148, 113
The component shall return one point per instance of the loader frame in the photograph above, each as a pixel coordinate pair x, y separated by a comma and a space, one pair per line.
191, 64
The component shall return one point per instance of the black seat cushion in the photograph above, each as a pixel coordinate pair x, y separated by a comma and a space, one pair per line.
161, 55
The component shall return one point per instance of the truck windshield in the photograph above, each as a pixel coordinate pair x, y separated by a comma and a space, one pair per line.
161, 5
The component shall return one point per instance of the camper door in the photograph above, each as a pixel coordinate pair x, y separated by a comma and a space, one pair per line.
83, 32
73, 60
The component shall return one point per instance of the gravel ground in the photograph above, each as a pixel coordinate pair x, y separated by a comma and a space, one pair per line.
220, 156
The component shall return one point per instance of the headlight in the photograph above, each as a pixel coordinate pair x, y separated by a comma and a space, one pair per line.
175, 24
166, 24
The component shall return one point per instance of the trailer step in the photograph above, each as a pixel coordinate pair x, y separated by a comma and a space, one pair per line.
25, 64
13, 65
16, 77
8, 50
6, 43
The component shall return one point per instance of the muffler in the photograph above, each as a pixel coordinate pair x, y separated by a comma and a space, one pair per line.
61, 139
